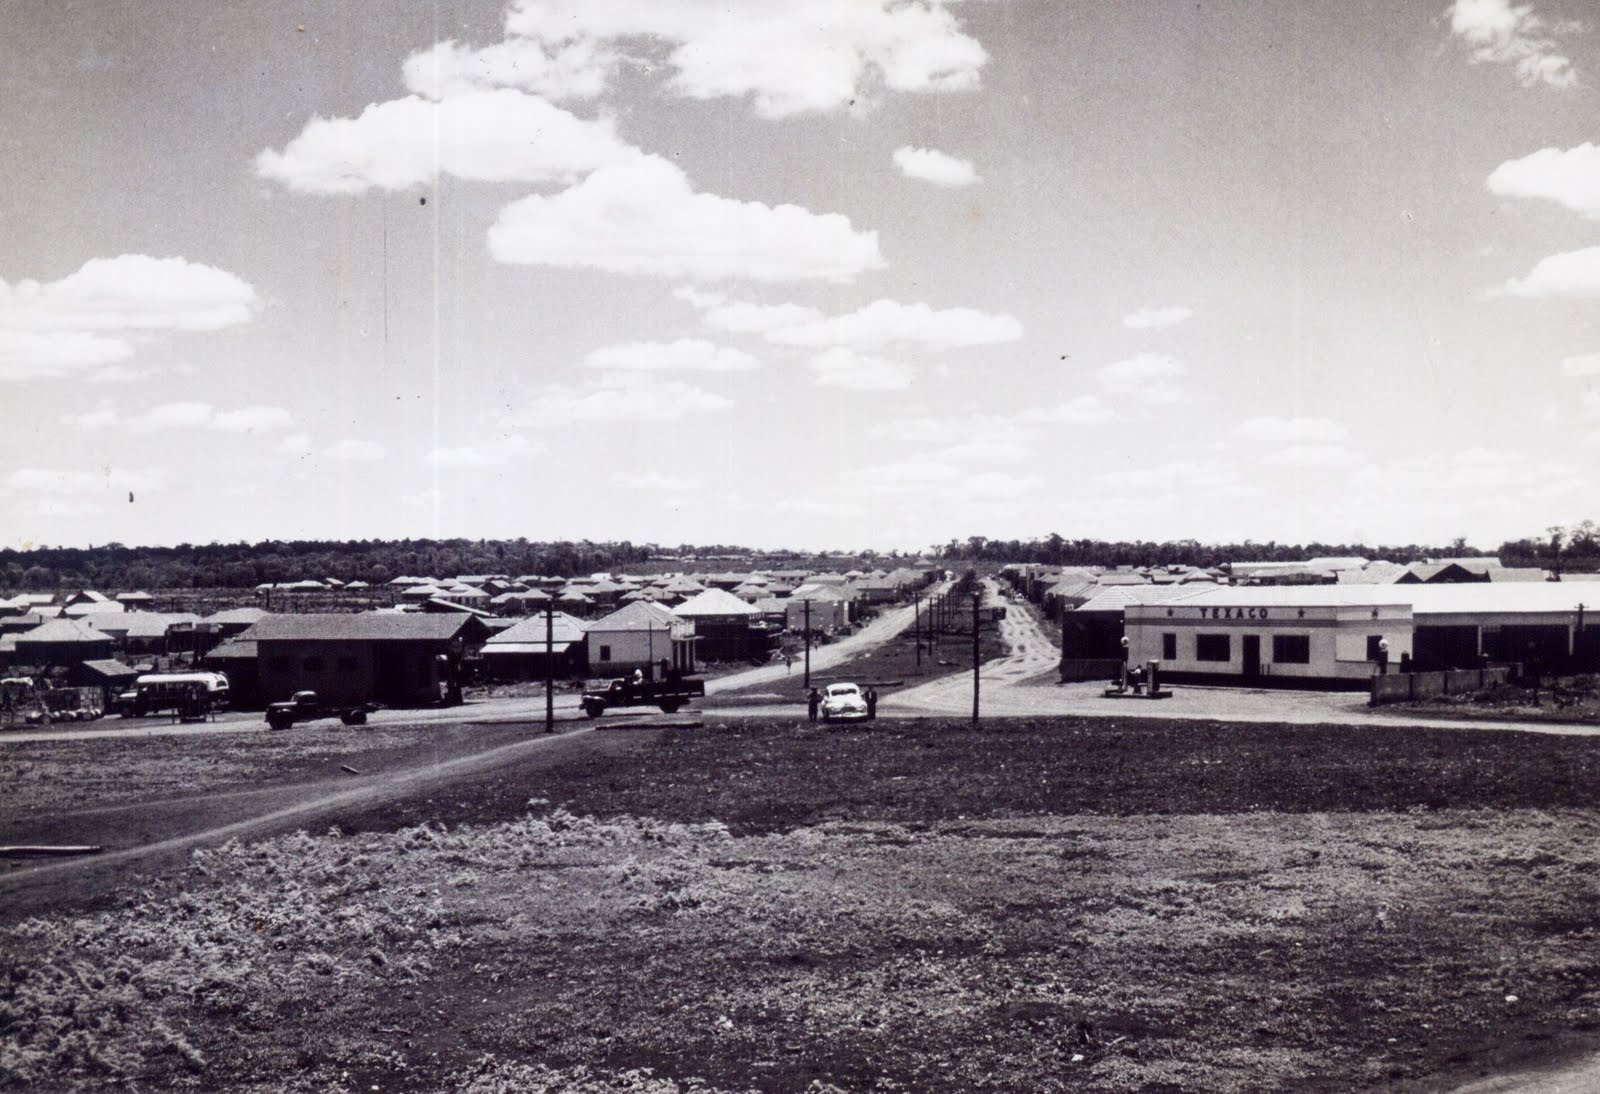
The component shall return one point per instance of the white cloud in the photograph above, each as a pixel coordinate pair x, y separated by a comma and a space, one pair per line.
1502, 33
741, 317
103, 416
1582, 364
1316, 455
654, 481
1291, 431
494, 452
1146, 376
182, 415
251, 419
618, 397
1155, 318
38, 480
499, 135
644, 217
886, 322
295, 444
91, 318
931, 165
357, 451
685, 353
1570, 178
1080, 410
842, 367
793, 58
121, 374
1573, 274
29, 355
60, 507
981, 452
819, 507
576, 70
190, 415
921, 479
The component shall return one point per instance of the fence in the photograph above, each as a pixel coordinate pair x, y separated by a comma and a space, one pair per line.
1401, 687
1093, 668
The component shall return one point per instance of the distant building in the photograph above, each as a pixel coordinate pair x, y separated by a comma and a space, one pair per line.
640, 634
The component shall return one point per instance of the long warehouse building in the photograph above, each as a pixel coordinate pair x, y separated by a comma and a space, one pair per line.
1336, 635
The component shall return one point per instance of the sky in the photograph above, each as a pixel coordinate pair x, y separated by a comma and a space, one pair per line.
833, 275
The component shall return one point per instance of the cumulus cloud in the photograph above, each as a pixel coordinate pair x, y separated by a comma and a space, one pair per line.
654, 482
295, 444
1154, 318
618, 397
356, 451
1500, 32
887, 322
644, 217
1581, 364
1080, 410
931, 165
39, 480
186, 415
741, 317
493, 452
842, 367
501, 135
1307, 431
690, 354
1316, 455
791, 58
575, 70
923, 479
1572, 274
1569, 177
1147, 376
92, 318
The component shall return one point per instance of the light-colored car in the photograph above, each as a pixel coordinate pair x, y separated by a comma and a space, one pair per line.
843, 702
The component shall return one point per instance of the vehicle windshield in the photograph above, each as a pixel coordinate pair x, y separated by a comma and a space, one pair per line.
836, 691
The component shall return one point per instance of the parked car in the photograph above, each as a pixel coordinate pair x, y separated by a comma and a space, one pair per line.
843, 702
305, 706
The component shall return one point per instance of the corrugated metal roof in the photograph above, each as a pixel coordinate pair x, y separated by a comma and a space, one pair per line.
531, 631
1118, 597
63, 630
712, 603
363, 627
639, 616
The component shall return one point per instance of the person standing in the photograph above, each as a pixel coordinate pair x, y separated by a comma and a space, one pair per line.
872, 704
813, 701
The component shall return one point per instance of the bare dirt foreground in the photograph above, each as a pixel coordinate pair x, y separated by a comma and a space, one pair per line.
1085, 905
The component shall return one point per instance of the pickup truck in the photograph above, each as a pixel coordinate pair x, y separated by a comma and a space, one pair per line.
669, 694
304, 706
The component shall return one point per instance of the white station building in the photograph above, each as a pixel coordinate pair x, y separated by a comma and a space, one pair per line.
1335, 635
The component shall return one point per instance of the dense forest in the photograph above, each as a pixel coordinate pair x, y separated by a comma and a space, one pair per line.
1562, 549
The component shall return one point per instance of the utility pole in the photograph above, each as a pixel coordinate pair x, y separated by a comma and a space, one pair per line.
807, 604
549, 667
916, 625
976, 596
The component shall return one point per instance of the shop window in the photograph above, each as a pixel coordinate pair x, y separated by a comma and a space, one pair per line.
1291, 649
605, 653
1213, 647
1169, 647
1373, 652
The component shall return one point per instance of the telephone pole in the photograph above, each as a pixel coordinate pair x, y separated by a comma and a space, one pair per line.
807, 604
916, 625
975, 598
549, 667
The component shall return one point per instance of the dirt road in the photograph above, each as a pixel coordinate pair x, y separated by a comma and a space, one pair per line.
875, 633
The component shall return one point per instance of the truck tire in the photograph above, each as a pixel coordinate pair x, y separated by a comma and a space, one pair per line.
280, 721
594, 710
671, 706
355, 717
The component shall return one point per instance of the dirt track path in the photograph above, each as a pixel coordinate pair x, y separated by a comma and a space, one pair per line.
276, 809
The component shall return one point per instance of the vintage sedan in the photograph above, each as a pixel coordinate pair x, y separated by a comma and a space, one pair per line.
843, 702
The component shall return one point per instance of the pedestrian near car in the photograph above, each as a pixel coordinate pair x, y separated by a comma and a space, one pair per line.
872, 703
814, 700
